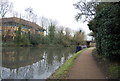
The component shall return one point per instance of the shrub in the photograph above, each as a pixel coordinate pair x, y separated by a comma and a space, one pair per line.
105, 25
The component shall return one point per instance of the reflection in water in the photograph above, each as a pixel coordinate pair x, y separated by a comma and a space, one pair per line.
32, 63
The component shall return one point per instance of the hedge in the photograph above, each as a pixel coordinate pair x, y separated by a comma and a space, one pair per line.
106, 26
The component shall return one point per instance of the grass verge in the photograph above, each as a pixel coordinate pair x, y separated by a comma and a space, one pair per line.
61, 72
111, 69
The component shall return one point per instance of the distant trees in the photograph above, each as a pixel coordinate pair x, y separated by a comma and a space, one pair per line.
51, 33
79, 37
68, 37
44, 22
92, 35
5, 6
63, 36
18, 36
59, 35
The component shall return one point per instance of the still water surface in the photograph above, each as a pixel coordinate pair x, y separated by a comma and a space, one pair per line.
32, 63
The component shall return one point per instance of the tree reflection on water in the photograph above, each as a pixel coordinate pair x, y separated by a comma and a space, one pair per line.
32, 63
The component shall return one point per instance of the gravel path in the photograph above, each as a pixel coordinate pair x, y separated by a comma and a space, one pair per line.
85, 67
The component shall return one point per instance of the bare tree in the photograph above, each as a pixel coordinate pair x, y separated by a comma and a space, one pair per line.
54, 22
5, 6
86, 10
44, 22
15, 13
31, 15
79, 37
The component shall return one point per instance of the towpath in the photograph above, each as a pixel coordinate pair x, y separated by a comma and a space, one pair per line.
85, 67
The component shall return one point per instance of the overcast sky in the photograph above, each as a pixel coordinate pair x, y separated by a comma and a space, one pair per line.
61, 10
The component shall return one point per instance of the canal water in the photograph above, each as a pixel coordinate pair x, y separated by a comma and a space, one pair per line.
32, 63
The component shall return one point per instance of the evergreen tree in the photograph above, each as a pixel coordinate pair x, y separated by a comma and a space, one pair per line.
18, 36
51, 33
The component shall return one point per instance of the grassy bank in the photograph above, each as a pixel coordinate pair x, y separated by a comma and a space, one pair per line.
13, 44
110, 68
61, 72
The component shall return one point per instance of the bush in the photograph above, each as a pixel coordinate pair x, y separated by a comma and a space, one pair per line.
106, 27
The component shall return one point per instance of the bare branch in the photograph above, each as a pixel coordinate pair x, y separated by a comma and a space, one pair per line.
86, 10
31, 15
5, 6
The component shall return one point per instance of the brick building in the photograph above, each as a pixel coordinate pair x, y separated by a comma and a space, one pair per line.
9, 26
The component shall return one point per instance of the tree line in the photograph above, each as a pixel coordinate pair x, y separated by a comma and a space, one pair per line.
55, 36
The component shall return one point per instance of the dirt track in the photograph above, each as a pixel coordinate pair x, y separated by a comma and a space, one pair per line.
85, 67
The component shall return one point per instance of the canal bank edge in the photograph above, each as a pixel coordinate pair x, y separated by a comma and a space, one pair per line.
61, 72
